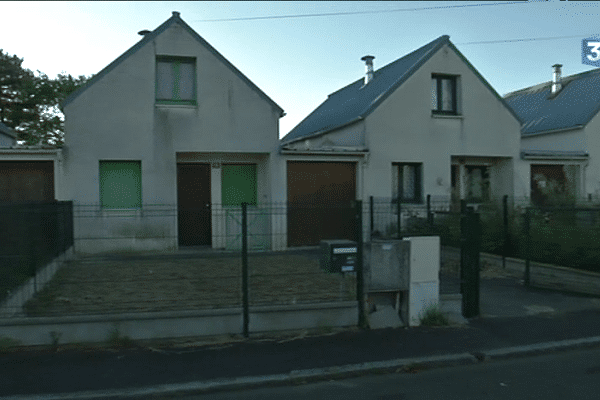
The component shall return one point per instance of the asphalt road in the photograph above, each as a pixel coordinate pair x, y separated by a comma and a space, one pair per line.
566, 375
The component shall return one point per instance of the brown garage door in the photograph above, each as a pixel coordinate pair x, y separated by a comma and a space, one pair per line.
320, 201
26, 181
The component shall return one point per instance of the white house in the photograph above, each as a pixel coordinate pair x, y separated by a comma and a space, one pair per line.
163, 145
427, 123
560, 136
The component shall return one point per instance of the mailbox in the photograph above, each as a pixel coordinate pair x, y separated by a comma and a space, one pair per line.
339, 255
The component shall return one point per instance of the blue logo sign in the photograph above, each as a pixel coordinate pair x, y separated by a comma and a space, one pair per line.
590, 51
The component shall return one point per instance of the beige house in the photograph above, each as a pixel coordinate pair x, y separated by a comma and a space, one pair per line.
560, 136
163, 145
425, 124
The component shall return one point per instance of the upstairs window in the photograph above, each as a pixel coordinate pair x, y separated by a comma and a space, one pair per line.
175, 80
443, 94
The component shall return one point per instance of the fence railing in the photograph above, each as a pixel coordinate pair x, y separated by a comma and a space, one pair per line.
31, 235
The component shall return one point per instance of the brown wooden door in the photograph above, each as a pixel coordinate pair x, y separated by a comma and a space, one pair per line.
23, 182
193, 204
321, 198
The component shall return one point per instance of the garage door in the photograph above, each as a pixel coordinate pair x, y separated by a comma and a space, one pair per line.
31, 181
320, 201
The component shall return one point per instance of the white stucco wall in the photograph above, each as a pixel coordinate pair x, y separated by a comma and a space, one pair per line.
116, 118
402, 129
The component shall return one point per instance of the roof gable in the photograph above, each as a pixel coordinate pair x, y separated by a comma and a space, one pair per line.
356, 101
175, 19
572, 107
4, 129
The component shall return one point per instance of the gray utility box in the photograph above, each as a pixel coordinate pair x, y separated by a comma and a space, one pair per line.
339, 255
388, 265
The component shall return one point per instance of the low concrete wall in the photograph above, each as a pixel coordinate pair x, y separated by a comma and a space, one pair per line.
15, 302
551, 276
166, 325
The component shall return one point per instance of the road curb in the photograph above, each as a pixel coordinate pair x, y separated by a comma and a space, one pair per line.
413, 364
539, 348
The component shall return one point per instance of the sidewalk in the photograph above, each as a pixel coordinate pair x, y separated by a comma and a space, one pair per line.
515, 321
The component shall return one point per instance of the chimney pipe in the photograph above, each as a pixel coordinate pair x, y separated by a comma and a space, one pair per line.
369, 68
556, 79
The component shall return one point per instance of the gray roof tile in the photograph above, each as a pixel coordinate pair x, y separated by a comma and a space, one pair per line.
7, 131
355, 102
574, 105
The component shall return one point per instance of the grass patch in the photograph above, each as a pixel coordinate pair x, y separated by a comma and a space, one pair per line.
7, 343
433, 316
115, 339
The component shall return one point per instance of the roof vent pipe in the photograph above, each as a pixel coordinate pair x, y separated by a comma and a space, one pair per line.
369, 68
556, 79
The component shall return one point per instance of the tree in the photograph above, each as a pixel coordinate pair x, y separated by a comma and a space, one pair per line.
29, 102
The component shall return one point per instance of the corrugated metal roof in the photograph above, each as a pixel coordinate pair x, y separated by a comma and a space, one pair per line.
356, 101
7, 131
148, 38
572, 107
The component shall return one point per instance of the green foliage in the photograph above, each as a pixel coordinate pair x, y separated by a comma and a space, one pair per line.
433, 316
29, 102
6, 343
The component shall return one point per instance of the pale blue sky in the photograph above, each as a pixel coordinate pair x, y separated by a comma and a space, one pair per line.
299, 61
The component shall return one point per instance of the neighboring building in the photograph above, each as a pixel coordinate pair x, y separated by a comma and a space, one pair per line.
27, 173
560, 136
427, 123
8, 137
163, 145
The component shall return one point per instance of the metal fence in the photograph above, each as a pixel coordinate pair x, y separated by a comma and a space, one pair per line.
226, 262
31, 235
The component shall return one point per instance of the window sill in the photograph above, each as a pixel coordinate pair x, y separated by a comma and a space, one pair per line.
164, 105
446, 116
121, 212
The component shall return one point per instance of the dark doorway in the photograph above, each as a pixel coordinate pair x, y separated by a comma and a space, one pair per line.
193, 204
548, 183
321, 199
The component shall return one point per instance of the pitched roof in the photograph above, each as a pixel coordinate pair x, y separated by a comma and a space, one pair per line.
175, 19
7, 131
573, 107
355, 101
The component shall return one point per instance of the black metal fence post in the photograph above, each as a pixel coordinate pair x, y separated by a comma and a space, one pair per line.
371, 216
399, 222
245, 269
359, 265
469, 268
505, 215
429, 213
527, 245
